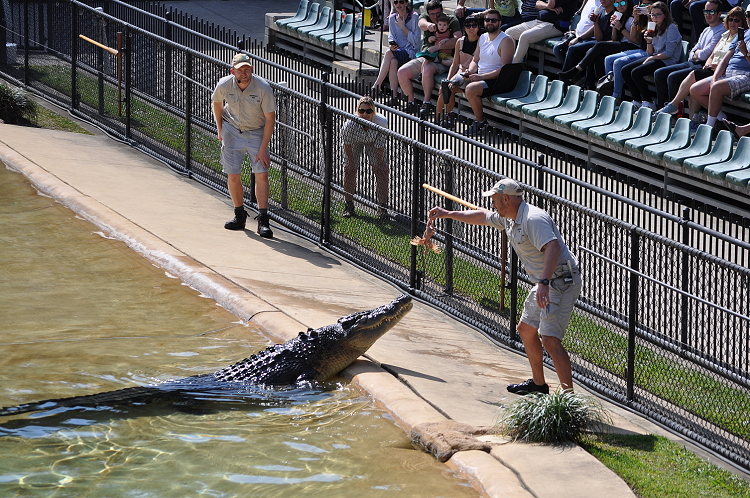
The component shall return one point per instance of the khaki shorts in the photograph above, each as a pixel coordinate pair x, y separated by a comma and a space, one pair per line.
554, 320
415, 67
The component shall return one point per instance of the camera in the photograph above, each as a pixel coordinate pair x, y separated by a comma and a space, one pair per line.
641, 9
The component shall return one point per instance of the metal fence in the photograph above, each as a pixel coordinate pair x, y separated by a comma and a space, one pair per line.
661, 325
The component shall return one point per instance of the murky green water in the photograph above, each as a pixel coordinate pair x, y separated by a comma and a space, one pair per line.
80, 313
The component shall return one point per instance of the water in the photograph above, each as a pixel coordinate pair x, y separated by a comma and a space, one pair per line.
81, 313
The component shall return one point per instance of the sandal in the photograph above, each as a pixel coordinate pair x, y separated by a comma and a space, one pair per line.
732, 127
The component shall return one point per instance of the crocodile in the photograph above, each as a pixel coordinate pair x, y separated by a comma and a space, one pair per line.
315, 355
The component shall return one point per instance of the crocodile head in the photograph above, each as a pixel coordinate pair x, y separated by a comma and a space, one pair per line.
353, 335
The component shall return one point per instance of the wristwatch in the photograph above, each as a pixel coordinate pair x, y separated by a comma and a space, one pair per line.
544, 281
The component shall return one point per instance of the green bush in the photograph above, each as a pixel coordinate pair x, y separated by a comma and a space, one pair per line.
16, 105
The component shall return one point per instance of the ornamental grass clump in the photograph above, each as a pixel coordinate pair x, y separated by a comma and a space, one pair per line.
15, 105
553, 418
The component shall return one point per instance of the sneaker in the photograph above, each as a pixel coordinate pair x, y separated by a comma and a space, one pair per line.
475, 128
528, 387
669, 109
648, 105
348, 210
238, 222
263, 229
424, 111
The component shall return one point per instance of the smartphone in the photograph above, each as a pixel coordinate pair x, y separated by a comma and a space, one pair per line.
392, 43
740, 34
642, 10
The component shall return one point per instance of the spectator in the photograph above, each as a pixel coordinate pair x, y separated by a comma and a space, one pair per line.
358, 138
695, 7
668, 78
412, 69
614, 63
464, 54
735, 19
508, 11
403, 41
443, 56
585, 22
494, 50
624, 38
553, 19
386, 7
529, 12
663, 45
601, 30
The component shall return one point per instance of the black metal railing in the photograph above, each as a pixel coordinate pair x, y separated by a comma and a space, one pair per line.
661, 325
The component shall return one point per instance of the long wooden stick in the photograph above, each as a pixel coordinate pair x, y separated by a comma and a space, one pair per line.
504, 237
110, 50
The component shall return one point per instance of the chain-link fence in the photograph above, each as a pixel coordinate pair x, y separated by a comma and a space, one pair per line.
661, 325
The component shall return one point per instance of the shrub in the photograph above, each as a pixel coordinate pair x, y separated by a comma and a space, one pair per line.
554, 418
16, 105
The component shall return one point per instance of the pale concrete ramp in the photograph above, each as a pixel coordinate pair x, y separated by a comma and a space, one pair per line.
287, 284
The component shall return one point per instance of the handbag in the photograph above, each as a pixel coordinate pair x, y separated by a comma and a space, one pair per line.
606, 84
701, 74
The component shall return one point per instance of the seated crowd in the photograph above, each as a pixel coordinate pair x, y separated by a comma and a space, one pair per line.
617, 46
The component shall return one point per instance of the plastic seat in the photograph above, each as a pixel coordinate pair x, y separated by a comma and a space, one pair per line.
659, 134
586, 111
323, 21
622, 122
523, 86
347, 26
605, 114
569, 105
641, 127
302, 10
738, 178
553, 99
679, 140
355, 35
701, 145
312, 18
537, 94
338, 16
740, 160
721, 152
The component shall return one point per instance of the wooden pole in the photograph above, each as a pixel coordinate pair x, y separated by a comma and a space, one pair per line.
449, 196
110, 50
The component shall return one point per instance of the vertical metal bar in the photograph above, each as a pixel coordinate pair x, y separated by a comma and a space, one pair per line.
416, 187
168, 57
541, 162
449, 205
74, 97
4, 36
26, 75
128, 78
188, 112
100, 65
632, 312
514, 296
326, 122
685, 284
283, 117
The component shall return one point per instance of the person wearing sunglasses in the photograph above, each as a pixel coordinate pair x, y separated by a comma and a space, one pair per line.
404, 42
695, 8
358, 138
552, 20
663, 46
509, 12
600, 31
733, 22
668, 78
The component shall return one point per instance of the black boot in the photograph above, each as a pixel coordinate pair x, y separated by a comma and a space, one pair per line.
263, 229
238, 222
570, 76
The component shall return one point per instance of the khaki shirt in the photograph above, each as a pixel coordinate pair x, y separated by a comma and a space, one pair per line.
245, 110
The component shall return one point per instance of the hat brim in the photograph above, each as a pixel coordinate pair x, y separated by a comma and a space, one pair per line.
240, 64
489, 193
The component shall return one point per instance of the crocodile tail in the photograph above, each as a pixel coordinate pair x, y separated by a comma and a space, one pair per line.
108, 398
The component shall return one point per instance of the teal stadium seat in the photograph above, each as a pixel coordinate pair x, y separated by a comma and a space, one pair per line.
323, 22
622, 122
641, 127
740, 160
302, 10
700, 146
721, 152
569, 105
659, 134
312, 18
738, 179
585, 112
347, 27
537, 94
679, 140
523, 86
338, 16
354, 36
553, 99
605, 114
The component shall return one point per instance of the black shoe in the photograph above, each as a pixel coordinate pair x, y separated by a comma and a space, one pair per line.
238, 222
348, 210
528, 387
411, 108
424, 111
263, 229
475, 128
394, 102
570, 76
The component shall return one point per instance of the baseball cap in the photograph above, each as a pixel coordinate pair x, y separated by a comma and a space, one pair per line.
241, 60
505, 186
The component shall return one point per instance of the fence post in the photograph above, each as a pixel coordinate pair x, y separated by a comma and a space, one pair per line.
685, 274
75, 99
416, 207
513, 296
326, 122
4, 36
188, 112
632, 312
26, 76
541, 160
168, 58
128, 77
449, 205
283, 114
100, 61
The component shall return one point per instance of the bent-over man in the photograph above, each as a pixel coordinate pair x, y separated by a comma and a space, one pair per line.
547, 260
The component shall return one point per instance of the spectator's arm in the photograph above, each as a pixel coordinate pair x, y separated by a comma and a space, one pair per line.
505, 51
706, 52
460, 9
719, 72
456, 60
218, 108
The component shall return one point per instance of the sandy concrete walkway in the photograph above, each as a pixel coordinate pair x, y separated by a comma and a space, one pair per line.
446, 369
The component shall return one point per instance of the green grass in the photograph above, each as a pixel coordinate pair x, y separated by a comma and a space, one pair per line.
655, 467
696, 392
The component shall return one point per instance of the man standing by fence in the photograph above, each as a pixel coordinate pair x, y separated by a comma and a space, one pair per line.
547, 260
245, 112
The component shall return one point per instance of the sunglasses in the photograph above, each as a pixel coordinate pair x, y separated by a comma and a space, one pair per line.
621, 4
471, 25
365, 111
707, 12
491, 19
734, 19
396, 2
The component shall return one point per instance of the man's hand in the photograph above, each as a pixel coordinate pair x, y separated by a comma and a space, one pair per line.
437, 212
218, 127
542, 295
264, 157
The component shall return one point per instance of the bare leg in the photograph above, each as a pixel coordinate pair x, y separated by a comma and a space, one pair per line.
234, 184
474, 92
261, 190
560, 358
534, 352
